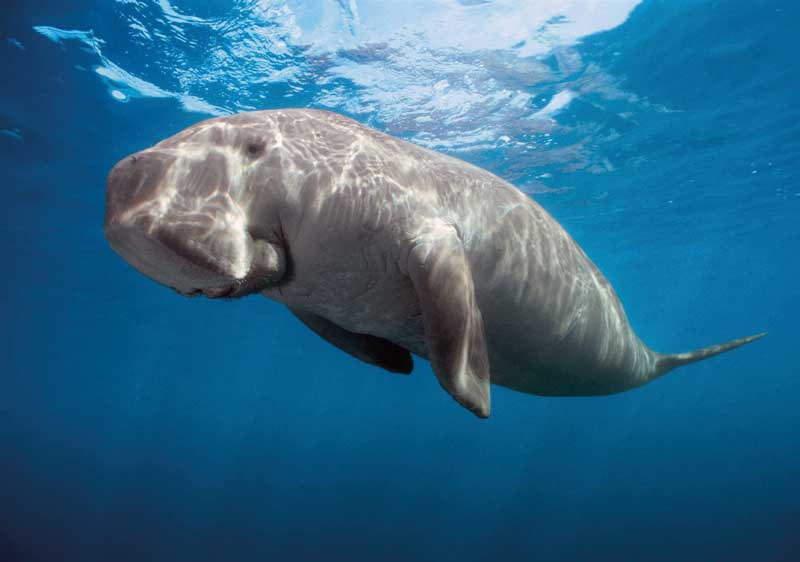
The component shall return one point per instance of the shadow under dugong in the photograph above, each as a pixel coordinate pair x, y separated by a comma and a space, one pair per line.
382, 248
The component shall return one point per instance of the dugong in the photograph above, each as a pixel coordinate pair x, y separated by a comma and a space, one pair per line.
384, 249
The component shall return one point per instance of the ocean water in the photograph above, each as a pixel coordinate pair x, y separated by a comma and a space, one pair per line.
136, 425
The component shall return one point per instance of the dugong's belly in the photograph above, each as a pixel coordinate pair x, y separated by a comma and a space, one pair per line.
359, 289
388, 309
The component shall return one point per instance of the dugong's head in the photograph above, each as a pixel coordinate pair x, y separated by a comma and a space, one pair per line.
181, 212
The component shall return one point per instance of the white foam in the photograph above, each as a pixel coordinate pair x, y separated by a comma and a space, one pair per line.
558, 102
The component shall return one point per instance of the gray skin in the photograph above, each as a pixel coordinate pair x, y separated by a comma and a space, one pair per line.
382, 248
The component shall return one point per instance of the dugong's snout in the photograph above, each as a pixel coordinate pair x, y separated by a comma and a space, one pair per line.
175, 221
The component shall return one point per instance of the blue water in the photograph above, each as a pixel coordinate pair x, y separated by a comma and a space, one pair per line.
136, 425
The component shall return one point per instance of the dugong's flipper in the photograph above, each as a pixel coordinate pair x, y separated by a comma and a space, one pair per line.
454, 335
370, 349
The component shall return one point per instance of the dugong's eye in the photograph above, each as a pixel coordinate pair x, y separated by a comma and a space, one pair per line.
255, 148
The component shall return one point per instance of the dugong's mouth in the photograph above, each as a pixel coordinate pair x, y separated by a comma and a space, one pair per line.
219, 293
212, 293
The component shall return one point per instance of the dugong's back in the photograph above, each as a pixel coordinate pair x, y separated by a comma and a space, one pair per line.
554, 324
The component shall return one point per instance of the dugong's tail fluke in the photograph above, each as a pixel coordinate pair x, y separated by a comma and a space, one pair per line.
667, 362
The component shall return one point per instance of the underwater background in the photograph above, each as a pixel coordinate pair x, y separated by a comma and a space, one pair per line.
136, 425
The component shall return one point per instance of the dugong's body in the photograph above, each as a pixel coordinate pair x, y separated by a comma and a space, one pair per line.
382, 248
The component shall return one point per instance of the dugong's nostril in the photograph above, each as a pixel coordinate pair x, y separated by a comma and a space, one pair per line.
134, 159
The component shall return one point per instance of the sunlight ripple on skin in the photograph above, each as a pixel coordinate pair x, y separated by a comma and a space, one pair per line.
421, 252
